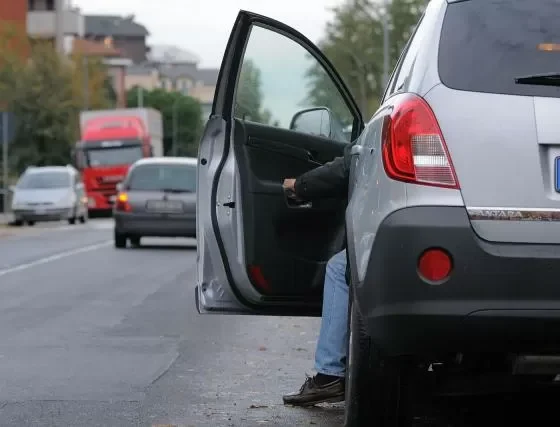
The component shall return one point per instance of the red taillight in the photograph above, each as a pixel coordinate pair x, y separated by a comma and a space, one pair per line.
122, 202
435, 265
413, 146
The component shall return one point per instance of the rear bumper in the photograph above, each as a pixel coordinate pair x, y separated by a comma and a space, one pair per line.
499, 297
47, 215
155, 225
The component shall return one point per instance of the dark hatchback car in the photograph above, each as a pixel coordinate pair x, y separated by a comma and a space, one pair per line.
157, 198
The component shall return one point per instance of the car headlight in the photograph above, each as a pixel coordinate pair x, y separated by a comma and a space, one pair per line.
17, 204
66, 202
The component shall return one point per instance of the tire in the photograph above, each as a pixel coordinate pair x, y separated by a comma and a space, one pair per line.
31, 223
18, 223
377, 391
120, 240
135, 241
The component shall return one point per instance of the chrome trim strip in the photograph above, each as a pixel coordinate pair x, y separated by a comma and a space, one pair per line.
513, 214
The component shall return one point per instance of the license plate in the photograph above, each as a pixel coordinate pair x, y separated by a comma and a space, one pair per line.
165, 206
557, 174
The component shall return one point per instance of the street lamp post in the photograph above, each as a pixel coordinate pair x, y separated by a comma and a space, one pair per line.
5, 160
386, 43
386, 4
174, 124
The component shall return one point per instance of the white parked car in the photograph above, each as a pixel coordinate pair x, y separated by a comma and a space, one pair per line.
49, 193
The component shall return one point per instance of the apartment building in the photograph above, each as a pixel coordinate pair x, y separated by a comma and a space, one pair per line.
13, 20
175, 69
126, 34
42, 19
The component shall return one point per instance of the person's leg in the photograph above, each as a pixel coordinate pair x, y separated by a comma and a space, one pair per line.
330, 354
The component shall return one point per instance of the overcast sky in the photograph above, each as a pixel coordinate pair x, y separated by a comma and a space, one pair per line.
203, 26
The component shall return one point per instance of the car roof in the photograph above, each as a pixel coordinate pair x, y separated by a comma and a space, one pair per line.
167, 161
36, 169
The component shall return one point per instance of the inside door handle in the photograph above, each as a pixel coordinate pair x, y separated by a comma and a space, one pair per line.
293, 202
298, 204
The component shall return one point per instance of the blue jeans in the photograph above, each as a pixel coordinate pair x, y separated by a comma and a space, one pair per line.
332, 345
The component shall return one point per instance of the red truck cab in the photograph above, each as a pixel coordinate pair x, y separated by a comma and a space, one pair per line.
108, 147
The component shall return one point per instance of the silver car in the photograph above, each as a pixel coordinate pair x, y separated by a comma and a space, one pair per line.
156, 199
452, 225
49, 193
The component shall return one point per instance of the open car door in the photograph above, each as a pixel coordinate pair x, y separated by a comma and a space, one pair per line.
280, 109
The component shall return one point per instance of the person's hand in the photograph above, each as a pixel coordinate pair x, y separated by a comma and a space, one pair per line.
289, 184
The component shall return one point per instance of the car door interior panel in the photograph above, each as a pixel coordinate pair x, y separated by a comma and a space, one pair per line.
286, 244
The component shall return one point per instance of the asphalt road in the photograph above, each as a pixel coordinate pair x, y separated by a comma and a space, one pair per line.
94, 336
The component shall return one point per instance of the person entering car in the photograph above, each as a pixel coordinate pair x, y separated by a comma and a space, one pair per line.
328, 385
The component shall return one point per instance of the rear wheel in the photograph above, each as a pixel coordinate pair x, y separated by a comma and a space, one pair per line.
377, 388
120, 240
135, 241
31, 223
18, 223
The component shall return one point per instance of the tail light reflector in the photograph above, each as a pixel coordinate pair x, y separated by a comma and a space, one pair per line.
435, 265
413, 146
122, 202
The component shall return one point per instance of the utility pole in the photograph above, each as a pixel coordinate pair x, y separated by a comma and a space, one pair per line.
5, 160
386, 43
59, 26
85, 65
140, 95
174, 120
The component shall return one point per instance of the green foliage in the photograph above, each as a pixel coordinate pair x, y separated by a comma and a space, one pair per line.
89, 73
188, 118
354, 44
248, 102
41, 97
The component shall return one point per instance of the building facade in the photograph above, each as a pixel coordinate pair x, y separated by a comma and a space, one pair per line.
13, 22
127, 35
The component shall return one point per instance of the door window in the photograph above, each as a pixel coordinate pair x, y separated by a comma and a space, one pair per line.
281, 84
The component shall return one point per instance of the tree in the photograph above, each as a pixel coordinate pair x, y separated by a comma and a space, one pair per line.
98, 92
354, 44
14, 47
42, 99
187, 112
249, 96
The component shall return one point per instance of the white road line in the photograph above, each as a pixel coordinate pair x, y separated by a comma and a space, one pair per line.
55, 257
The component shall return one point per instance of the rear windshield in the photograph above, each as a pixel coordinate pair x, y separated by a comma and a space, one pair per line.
486, 44
168, 177
44, 180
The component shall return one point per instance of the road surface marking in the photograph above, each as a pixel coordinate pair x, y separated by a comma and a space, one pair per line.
55, 257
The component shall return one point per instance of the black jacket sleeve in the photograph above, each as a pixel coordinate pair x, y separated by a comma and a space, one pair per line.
328, 180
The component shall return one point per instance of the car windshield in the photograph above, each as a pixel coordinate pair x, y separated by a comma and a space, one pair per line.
113, 156
44, 180
507, 40
163, 177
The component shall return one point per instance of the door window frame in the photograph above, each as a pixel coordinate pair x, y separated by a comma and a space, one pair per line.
224, 107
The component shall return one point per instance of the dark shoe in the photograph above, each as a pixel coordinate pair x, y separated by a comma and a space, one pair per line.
313, 392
